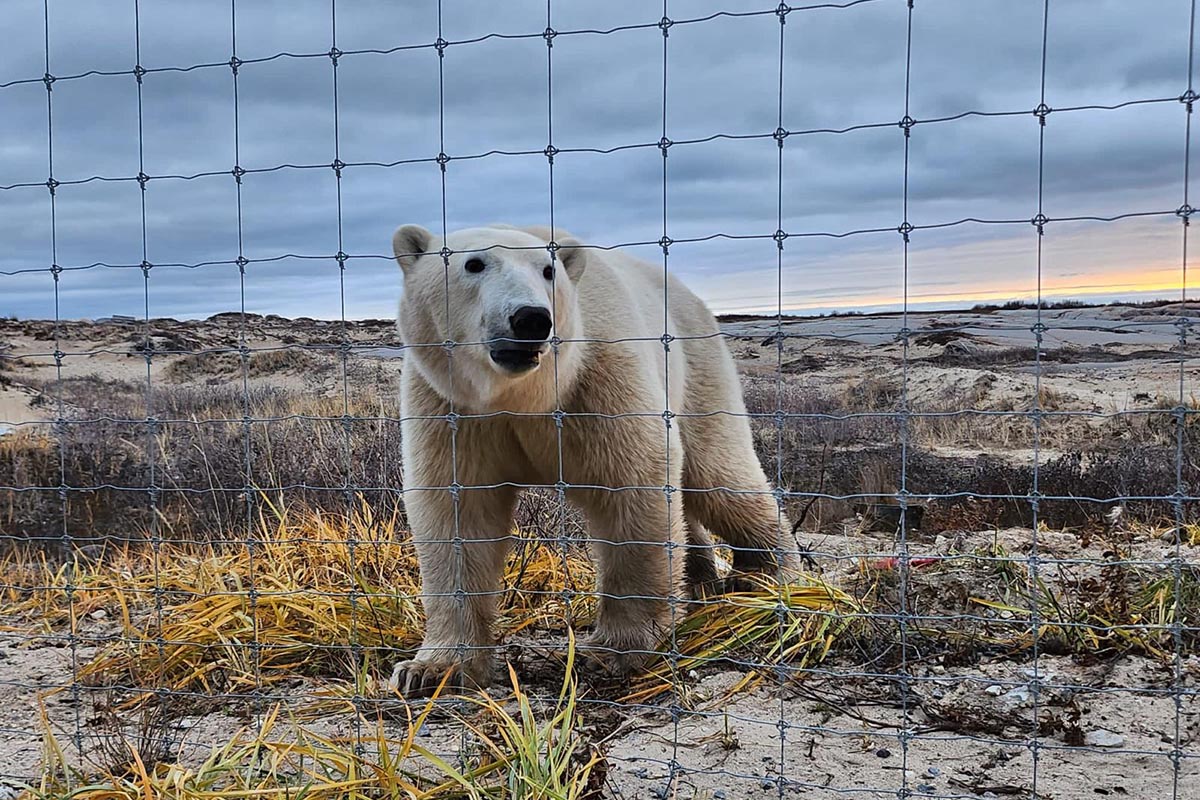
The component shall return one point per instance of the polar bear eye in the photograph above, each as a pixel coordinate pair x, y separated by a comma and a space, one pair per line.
548, 273
473, 265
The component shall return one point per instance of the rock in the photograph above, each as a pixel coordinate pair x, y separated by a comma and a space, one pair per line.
1103, 738
995, 690
1016, 697
883, 752
98, 614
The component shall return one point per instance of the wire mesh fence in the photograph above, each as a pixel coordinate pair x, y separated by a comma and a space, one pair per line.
985, 580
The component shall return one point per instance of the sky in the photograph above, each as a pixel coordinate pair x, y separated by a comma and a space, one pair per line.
973, 79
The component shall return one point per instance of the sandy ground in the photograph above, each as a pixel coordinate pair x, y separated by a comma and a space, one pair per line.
1106, 727
831, 744
1105, 359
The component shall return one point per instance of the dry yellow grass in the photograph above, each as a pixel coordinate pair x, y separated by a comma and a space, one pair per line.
795, 624
527, 756
310, 594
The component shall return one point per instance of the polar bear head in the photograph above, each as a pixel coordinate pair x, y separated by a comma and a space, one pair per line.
498, 296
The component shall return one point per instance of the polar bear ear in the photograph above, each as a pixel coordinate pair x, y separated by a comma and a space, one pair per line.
573, 256
409, 243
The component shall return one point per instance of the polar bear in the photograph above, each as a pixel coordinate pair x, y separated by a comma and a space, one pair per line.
502, 327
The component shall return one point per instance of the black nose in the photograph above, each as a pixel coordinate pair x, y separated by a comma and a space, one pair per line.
531, 323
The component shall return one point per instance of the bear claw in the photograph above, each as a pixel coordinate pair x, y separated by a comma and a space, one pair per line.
417, 678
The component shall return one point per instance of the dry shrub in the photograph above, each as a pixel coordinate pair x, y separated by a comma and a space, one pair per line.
200, 455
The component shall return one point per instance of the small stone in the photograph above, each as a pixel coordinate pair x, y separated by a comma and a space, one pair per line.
423, 730
995, 690
659, 792
640, 772
925, 788
98, 614
693, 675
719, 794
932, 772
767, 783
1103, 738
883, 752
1017, 696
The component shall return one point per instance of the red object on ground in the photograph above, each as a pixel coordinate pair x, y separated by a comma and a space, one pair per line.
892, 562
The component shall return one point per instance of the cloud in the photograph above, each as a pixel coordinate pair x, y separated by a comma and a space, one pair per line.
841, 68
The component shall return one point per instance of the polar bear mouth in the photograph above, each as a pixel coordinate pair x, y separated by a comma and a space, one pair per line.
517, 359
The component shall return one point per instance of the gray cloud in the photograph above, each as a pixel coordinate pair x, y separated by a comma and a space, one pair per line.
841, 68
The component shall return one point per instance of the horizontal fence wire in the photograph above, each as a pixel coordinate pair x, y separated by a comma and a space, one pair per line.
259, 583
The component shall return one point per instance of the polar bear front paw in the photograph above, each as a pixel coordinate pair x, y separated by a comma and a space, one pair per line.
421, 677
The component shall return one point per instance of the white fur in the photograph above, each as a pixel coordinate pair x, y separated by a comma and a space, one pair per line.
614, 378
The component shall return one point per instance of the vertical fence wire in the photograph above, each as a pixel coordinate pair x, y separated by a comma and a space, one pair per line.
668, 487
160, 688
905, 421
249, 491
1032, 563
60, 420
781, 672
1181, 422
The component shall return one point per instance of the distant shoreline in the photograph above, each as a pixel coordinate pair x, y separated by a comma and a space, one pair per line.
978, 308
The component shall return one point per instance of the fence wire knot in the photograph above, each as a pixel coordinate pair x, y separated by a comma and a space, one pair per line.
1040, 221
1041, 112
1188, 98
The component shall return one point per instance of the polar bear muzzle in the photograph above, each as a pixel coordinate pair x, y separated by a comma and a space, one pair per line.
530, 327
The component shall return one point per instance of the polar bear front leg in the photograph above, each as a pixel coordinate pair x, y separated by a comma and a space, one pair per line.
639, 545
461, 546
